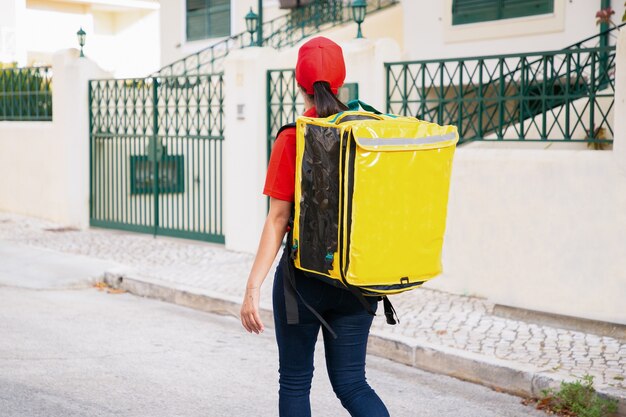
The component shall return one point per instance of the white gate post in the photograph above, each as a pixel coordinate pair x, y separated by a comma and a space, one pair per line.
245, 146
70, 116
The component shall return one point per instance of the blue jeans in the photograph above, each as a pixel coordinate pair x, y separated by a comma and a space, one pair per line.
345, 356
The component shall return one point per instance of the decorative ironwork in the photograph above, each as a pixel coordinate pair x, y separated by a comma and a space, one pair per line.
25, 94
602, 39
156, 155
556, 95
303, 22
283, 31
284, 103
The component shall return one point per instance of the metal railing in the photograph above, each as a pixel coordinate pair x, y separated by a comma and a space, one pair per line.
602, 39
284, 102
156, 155
305, 21
26, 94
555, 95
283, 31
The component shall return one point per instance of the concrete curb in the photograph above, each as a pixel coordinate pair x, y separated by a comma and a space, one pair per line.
494, 373
500, 375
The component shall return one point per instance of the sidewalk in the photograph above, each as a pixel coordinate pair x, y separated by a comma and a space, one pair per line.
440, 332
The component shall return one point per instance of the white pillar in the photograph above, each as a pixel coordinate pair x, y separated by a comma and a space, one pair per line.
245, 146
619, 127
70, 116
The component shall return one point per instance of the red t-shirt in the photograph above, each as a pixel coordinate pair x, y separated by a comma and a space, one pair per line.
281, 171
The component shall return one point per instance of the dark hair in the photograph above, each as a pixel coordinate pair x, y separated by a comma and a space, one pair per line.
326, 103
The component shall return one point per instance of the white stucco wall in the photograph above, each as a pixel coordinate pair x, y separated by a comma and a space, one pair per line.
245, 152
122, 40
429, 32
619, 149
538, 229
11, 17
174, 44
133, 50
44, 166
384, 24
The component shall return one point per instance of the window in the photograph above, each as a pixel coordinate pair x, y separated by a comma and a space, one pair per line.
472, 11
207, 19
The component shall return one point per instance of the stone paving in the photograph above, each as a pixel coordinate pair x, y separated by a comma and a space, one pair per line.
437, 318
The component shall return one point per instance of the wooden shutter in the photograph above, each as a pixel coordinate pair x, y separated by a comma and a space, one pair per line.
208, 19
219, 18
193, 5
473, 11
521, 8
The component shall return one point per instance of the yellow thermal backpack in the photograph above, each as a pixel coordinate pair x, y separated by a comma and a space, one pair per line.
370, 200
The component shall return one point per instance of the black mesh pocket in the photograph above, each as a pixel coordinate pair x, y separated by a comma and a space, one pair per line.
319, 205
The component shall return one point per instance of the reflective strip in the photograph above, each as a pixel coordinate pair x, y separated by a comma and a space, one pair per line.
406, 141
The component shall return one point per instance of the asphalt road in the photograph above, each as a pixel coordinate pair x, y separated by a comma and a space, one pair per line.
88, 353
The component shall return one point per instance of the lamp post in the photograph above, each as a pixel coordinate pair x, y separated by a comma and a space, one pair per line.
252, 21
359, 9
81, 35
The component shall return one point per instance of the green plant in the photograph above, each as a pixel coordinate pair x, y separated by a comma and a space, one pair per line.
578, 399
599, 133
605, 16
25, 94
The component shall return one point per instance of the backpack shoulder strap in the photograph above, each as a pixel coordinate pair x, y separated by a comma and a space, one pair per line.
285, 127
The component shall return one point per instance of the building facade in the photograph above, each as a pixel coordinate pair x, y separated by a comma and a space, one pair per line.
424, 29
122, 36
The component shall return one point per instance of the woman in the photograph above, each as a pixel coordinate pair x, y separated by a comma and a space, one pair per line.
320, 72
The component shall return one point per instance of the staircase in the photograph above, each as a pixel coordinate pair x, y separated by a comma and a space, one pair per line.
560, 77
281, 32
513, 97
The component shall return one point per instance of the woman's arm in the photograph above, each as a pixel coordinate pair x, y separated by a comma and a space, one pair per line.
273, 232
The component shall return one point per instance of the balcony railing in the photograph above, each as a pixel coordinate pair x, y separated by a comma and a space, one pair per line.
281, 32
564, 95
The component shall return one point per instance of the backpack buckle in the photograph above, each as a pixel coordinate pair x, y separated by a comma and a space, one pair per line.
294, 250
328, 260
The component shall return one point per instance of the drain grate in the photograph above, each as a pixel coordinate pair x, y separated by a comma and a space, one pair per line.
61, 229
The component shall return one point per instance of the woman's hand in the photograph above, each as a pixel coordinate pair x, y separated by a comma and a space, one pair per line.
250, 317
271, 238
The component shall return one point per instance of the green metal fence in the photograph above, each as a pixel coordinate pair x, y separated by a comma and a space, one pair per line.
284, 103
25, 94
156, 155
283, 31
308, 20
564, 95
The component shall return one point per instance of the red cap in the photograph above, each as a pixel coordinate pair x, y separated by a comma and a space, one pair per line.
320, 59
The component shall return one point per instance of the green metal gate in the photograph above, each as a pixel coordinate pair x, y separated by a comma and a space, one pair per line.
156, 155
284, 103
